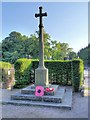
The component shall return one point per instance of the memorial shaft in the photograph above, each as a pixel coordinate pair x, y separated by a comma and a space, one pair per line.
41, 73
41, 40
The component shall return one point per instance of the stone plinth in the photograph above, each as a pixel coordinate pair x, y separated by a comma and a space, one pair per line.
66, 102
31, 90
41, 76
28, 94
56, 87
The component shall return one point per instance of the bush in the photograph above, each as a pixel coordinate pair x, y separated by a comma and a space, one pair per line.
62, 72
22, 72
5, 65
78, 70
59, 71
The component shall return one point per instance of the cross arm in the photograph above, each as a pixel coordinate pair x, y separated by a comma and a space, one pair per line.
44, 14
37, 15
41, 15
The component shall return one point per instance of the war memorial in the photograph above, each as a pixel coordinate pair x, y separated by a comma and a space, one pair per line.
42, 93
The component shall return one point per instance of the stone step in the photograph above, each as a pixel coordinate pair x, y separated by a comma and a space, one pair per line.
57, 98
31, 90
67, 102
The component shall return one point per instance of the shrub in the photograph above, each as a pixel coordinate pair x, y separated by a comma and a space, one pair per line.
59, 71
62, 72
78, 68
22, 72
5, 65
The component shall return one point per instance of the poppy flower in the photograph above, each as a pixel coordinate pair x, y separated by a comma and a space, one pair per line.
49, 89
39, 91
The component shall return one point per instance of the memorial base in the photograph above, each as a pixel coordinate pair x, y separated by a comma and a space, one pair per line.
62, 97
41, 77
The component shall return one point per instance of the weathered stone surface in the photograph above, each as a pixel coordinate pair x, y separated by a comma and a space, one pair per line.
41, 73
28, 91
58, 97
31, 90
67, 102
53, 92
41, 77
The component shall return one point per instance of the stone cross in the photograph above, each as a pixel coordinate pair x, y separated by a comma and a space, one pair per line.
41, 73
41, 42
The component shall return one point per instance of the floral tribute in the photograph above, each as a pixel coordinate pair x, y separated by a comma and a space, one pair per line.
49, 89
39, 91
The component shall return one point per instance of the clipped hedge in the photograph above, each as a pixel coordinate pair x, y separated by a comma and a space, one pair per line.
59, 71
78, 69
62, 72
22, 72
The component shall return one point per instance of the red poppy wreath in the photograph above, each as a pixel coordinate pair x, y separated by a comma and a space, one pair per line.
49, 89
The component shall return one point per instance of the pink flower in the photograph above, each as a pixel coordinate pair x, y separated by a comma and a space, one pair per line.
39, 91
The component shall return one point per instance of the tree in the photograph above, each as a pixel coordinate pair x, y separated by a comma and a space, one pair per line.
72, 55
13, 47
17, 46
60, 50
84, 54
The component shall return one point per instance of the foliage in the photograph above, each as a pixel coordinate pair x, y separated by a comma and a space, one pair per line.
72, 55
78, 68
60, 50
17, 46
5, 65
59, 71
22, 72
5, 79
84, 54
62, 72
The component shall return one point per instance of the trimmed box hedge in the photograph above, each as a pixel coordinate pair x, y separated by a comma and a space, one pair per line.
62, 72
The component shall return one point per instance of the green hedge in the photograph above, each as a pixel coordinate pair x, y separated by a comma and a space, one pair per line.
62, 72
59, 71
78, 68
22, 72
